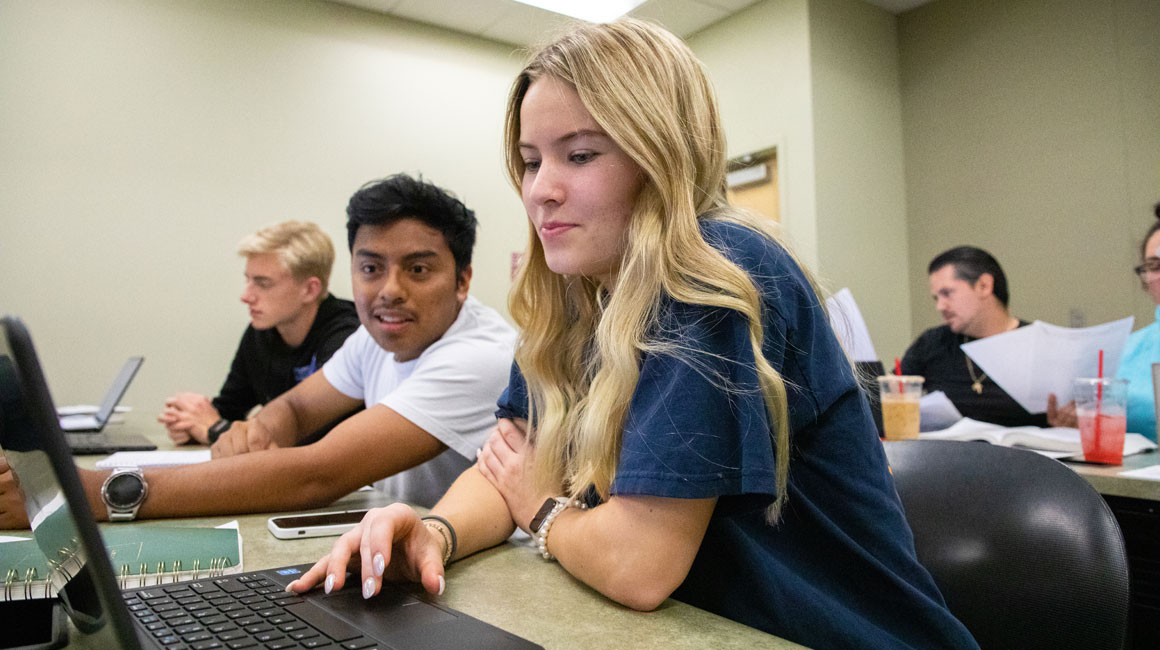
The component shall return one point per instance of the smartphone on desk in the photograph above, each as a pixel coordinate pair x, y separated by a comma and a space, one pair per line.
318, 524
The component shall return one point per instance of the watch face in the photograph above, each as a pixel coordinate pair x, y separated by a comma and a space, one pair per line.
543, 513
125, 490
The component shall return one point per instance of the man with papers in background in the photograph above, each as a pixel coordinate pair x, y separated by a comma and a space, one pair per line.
970, 291
428, 362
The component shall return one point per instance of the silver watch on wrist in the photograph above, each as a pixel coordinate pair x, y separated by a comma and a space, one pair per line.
123, 493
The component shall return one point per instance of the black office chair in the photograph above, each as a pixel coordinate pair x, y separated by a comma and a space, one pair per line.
1026, 553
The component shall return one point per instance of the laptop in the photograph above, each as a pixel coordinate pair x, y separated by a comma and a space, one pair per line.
97, 421
84, 432
248, 609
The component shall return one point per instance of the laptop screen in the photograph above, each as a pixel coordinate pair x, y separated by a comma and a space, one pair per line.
117, 390
62, 522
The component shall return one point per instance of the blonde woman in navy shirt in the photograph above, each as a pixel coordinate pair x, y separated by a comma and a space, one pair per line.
680, 420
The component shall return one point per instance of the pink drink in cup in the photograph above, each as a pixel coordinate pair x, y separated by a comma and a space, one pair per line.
1100, 406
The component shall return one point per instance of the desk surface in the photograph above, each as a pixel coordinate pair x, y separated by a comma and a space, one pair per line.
509, 586
1106, 479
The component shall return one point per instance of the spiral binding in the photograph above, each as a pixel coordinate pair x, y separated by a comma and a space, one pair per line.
69, 563
174, 573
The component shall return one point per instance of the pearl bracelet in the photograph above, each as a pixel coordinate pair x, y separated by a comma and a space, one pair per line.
541, 537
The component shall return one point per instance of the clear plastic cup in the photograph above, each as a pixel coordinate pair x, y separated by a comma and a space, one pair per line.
900, 397
1101, 408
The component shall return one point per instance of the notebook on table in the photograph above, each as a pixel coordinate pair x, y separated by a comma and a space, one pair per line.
85, 432
249, 609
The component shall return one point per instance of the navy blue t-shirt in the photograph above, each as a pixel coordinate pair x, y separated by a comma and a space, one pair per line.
839, 569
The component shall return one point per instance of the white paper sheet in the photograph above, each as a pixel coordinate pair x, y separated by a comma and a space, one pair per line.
1147, 473
87, 409
153, 458
937, 412
1042, 358
846, 319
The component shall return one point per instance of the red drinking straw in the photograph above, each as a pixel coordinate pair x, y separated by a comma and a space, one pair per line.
1099, 393
1100, 371
898, 373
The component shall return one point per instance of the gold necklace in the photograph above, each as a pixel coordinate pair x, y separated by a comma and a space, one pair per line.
976, 382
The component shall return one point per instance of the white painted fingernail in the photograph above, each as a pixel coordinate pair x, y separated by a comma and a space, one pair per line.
478, 452
380, 564
369, 588
290, 587
441, 585
329, 583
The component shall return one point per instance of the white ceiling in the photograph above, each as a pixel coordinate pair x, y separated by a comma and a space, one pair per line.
520, 24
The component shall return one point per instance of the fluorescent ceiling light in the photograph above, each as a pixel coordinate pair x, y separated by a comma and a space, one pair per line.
594, 11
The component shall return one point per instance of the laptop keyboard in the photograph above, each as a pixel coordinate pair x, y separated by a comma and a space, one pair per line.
235, 612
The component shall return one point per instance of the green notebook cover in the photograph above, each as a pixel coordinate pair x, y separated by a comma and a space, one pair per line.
140, 555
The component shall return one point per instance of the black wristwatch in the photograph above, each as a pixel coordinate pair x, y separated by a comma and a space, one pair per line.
216, 430
542, 514
123, 493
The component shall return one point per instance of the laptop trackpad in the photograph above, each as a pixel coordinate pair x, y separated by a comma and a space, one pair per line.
388, 613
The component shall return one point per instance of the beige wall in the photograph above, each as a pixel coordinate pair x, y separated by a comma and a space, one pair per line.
759, 61
819, 79
139, 140
1032, 129
858, 167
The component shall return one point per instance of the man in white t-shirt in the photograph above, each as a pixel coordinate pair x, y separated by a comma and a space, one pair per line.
428, 362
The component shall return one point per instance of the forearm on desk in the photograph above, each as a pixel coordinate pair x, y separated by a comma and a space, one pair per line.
477, 511
294, 478
634, 550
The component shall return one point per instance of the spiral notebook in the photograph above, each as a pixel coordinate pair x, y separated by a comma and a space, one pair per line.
141, 555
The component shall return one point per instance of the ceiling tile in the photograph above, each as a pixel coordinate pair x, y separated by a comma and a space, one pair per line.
525, 25
682, 17
471, 17
730, 6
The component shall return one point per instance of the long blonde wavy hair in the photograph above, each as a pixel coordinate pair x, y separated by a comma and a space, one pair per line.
581, 343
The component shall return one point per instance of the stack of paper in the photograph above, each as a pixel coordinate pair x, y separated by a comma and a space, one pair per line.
1031, 362
153, 458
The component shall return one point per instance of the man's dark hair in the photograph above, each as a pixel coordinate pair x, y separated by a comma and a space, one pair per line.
385, 201
1148, 235
970, 264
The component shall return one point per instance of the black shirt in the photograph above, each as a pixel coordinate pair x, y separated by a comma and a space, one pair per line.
936, 355
264, 367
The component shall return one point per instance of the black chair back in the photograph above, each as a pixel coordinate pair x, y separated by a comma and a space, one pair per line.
1026, 553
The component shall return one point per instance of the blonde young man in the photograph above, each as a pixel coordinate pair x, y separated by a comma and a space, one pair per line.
296, 325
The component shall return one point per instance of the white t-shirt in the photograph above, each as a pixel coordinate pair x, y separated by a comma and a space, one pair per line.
449, 391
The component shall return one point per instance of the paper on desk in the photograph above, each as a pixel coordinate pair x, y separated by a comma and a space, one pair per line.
937, 412
846, 320
1147, 473
87, 409
153, 458
1030, 362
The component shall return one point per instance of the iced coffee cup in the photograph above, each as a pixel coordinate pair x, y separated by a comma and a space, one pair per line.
900, 398
1101, 408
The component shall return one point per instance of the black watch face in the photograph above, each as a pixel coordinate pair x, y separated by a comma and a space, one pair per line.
545, 510
124, 490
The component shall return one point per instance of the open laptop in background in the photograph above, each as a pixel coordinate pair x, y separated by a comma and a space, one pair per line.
97, 421
241, 610
85, 432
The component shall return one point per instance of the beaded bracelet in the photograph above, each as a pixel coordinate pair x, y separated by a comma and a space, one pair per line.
542, 534
446, 531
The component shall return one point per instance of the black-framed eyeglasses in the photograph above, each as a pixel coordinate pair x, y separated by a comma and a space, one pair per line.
1148, 268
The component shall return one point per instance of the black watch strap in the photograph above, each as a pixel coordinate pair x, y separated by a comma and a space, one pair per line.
216, 430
